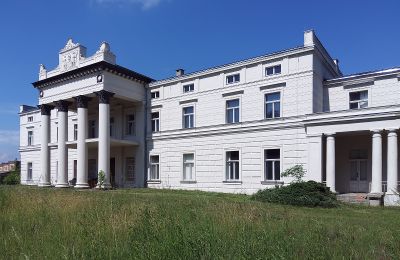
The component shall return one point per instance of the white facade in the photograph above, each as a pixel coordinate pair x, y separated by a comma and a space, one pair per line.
231, 128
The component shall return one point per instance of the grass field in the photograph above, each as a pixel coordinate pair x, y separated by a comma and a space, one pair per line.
143, 223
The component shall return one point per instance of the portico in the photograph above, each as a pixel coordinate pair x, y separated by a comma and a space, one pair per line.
91, 97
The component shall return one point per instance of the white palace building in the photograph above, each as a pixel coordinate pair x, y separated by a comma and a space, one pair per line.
231, 128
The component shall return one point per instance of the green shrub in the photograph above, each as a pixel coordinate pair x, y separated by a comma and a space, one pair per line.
297, 172
309, 194
12, 179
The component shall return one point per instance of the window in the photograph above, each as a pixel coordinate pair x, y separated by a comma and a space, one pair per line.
154, 168
155, 121
232, 79
130, 124
75, 169
130, 169
30, 138
359, 99
188, 167
57, 133
75, 132
274, 70
155, 94
188, 88
92, 129
29, 171
30, 118
188, 117
273, 105
232, 166
232, 111
112, 126
272, 164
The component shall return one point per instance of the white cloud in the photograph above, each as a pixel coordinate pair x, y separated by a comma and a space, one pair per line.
145, 4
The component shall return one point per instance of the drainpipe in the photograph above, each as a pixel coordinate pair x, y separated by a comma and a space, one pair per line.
146, 155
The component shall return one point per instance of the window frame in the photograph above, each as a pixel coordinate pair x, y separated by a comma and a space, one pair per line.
92, 129
263, 176
273, 104
192, 114
153, 120
239, 110
30, 119
156, 94
190, 89
128, 121
75, 132
273, 67
225, 166
30, 137
233, 75
193, 162
29, 171
126, 169
149, 179
360, 100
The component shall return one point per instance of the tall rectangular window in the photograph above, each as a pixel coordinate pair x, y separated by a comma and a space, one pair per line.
75, 132
273, 70
154, 168
188, 167
130, 169
232, 166
235, 78
155, 94
29, 171
30, 138
112, 126
30, 118
232, 111
75, 169
155, 121
359, 99
130, 124
188, 117
92, 129
188, 88
272, 164
273, 105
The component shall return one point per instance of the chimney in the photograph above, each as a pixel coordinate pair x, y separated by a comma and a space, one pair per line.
180, 72
309, 38
336, 61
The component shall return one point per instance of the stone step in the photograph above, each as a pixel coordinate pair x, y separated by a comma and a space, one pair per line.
353, 198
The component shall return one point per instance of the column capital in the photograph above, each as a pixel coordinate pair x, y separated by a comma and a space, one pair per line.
392, 130
45, 109
104, 96
376, 131
62, 105
82, 101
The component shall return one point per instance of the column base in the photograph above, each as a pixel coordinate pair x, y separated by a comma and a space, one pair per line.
391, 200
62, 185
81, 186
44, 184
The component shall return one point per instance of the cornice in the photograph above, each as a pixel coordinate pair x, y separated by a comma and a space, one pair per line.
94, 68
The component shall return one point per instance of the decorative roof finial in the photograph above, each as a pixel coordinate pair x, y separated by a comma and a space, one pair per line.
104, 47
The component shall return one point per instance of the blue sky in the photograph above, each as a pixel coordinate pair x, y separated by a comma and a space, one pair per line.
154, 37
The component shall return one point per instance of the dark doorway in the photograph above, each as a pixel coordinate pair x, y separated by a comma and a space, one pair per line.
112, 171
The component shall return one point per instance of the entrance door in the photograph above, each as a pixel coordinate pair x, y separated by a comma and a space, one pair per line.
112, 171
358, 175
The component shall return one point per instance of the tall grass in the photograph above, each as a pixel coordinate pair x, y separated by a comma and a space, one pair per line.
142, 223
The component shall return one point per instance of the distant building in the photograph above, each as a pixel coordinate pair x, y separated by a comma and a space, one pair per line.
231, 128
8, 166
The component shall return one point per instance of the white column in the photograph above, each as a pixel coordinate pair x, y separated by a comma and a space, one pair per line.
62, 178
104, 135
330, 162
44, 147
392, 161
376, 183
82, 150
